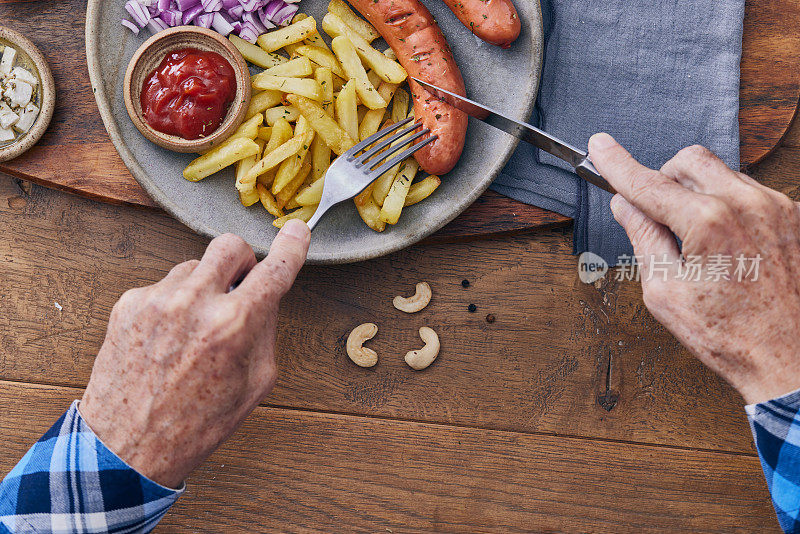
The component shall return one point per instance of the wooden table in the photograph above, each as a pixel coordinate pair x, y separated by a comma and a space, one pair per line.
573, 411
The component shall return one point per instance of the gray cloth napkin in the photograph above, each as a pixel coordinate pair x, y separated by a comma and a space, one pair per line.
658, 76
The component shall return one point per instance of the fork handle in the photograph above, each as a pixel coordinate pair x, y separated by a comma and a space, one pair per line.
322, 209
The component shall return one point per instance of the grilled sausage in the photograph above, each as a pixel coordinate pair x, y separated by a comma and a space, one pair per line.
421, 48
494, 21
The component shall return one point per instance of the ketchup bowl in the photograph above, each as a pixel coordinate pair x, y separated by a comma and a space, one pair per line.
151, 56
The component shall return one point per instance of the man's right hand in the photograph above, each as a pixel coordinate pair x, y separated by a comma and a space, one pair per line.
186, 360
747, 331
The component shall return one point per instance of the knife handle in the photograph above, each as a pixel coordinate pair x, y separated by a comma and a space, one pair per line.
587, 171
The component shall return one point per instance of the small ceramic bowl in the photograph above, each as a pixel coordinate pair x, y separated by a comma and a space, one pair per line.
31, 58
152, 53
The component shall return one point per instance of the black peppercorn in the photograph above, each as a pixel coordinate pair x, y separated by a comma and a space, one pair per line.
465, 284
472, 308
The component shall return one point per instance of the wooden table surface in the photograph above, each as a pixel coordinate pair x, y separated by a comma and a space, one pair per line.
573, 412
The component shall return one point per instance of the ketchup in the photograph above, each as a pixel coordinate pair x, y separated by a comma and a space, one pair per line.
188, 95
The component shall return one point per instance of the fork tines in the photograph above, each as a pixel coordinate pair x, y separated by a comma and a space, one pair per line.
395, 143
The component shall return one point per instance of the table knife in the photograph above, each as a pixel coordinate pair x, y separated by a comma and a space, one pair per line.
578, 159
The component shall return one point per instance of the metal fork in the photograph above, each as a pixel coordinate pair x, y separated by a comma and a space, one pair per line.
354, 170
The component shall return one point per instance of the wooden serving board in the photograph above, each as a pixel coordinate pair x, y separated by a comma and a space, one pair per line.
76, 154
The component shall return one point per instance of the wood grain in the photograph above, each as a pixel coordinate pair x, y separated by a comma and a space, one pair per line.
541, 367
77, 156
291, 471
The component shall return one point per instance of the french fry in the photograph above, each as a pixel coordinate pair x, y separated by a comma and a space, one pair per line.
338, 83
290, 167
324, 77
300, 86
273, 159
255, 55
268, 201
292, 204
389, 70
346, 52
248, 197
400, 105
390, 54
287, 113
263, 100
264, 132
281, 132
395, 200
294, 68
371, 122
422, 189
373, 78
358, 25
371, 214
365, 195
383, 184
294, 33
249, 128
337, 139
322, 57
218, 158
242, 168
347, 109
315, 39
288, 192
320, 157
304, 214
312, 194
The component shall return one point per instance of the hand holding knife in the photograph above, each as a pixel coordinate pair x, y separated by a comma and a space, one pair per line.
578, 159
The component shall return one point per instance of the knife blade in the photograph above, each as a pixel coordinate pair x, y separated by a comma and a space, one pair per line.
578, 159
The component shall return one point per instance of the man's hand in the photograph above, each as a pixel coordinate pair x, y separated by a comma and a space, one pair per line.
747, 331
185, 361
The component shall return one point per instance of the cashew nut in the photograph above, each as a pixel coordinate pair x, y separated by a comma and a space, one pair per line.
362, 356
416, 303
421, 358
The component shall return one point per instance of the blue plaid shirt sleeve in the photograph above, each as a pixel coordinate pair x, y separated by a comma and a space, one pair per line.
776, 430
69, 481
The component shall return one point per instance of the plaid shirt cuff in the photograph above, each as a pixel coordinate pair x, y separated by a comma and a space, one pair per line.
776, 431
69, 481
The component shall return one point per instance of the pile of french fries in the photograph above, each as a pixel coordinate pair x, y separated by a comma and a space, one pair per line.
310, 104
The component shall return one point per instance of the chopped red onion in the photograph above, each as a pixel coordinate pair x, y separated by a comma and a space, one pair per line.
247, 18
221, 25
190, 14
139, 13
131, 26
211, 6
156, 25
252, 18
272, 8
236, 12
172, 17
265, 19
204, 20
184, 5
284, 16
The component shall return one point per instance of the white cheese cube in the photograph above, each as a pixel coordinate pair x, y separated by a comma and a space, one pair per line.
7, 117
27, 118
19, 93
6, 135
24, 75
9, 58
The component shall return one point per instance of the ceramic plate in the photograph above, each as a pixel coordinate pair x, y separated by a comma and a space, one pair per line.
503, 79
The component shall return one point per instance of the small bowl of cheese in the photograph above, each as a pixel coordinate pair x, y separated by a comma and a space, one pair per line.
27, 94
